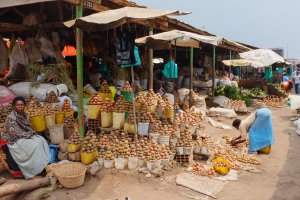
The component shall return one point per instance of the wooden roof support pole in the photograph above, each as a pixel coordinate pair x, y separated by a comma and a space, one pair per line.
229, 66
60, 11
150, 84
79, 59
191, 73
214, 72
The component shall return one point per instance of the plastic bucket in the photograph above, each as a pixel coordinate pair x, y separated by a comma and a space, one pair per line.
108, 164
49, 120
164, 140
56, 133
128, 96
119, 163
187, 150
87, 158
93, 111
59, 118
104, 96
38, 123
129, 128
169, 113
143, 128
101, 161
179, 150
133, 163
106, 119
74, 147
118, 120
141, 163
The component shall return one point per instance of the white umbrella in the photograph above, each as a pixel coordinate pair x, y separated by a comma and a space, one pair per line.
265, 57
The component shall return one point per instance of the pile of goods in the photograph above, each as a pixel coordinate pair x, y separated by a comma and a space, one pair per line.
127, 87
4, 112
51, 98
236, 105
75, 138
68, 121
165, 152
152, 152
140, 146
104, 88
190, 118
95, 100
89, 143
48, 109
106, 105
255, 93
233, 93
66, 107
121, 106
185, 139
276, 90
168, 103
143, 115
34, 109
204, 170
123, 148
273, 101
58, 109
109, 155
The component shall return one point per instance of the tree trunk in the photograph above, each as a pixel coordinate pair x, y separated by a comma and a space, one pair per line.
10, 189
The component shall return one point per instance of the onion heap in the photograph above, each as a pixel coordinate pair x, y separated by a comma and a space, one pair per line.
58, 109
103, 144
34, 99
168, 103
48, 110
34, 109
185, 139
198, 142
104, 88
123, 149
191, 118
69, 121
273, 101
166, 130
89, 143
140, 146
204, 170
151, 98
165, 152
127, 87
66, 107
143, 115
236, 105
108, 154
121, 106
106, 105
160, 102
4, 112
95, 100
75, 138
51, 97
152, 151
130, 118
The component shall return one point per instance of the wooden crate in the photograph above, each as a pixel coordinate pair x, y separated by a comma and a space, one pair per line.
94, 125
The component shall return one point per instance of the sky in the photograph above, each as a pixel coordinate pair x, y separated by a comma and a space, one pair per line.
262, 23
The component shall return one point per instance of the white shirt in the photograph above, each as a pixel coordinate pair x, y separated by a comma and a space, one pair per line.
246, 125
297, 78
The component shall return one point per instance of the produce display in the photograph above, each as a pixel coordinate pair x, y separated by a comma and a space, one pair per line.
168, 103
273, 101
276, 90
89, 143
121, 106
95, 100
48, 109
152, 151
190, 118
69, 121
34, 109
66, 107
236, 105
123, 148
127, 87
51, 97
75, 138
185, 139
106, 105
4, 112
104, 87
255, 93
109, 155
203, 170
58, 109
165, 152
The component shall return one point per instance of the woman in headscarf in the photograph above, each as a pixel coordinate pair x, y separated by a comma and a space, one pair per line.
29, 150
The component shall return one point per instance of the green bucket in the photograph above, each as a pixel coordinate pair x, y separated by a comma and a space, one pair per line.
128, 96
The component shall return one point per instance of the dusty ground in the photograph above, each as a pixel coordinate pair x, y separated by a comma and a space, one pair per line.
280, 178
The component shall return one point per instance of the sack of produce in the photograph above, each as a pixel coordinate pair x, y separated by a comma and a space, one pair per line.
221, 165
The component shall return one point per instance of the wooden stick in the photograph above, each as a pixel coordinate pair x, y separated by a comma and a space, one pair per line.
10, 189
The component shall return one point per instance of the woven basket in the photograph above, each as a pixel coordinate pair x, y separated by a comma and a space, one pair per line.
71, 175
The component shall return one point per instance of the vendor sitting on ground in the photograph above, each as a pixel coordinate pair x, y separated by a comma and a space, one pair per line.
29, 150
259, 126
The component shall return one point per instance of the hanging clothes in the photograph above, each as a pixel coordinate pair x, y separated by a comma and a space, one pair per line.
137, 58
268, 73
125, 47
170, 70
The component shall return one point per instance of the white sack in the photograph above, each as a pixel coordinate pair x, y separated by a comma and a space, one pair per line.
221, 100
229, 113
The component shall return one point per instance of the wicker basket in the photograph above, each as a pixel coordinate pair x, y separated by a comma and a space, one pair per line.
71, 175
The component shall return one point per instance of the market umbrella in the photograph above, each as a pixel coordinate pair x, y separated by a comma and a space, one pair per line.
113, 18
265, 57
178, 38
242, 63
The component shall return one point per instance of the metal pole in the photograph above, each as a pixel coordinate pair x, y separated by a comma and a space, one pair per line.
214, 72
191, 73
79, 59
150, 62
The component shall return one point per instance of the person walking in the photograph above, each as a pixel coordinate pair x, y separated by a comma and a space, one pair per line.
296, 79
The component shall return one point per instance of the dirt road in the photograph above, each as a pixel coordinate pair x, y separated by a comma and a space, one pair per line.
280, 179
